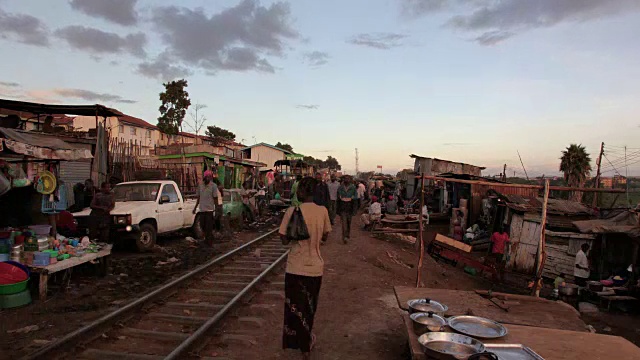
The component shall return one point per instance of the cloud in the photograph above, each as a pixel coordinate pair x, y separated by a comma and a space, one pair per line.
23, 28
118, 11
308, 106
383, 41
101, 42
456, 144
91, 96
162, 68
493, 37
9, 84
236, 39
316, 58
498, 20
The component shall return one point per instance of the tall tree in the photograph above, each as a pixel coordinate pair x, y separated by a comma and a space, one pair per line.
575, 163
332, 163
175, 102
197, 118
284, 146
218, 133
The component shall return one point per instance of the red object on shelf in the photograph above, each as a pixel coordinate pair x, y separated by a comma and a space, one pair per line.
19, 239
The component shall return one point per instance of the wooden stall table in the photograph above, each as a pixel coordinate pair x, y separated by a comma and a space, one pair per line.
44, 271
551, 344
522, 310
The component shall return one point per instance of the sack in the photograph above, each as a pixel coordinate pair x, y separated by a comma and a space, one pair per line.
297, 229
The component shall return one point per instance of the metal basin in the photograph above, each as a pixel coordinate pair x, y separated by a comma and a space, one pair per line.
427, 322
568, 289
426, 305
478, 327
446, 346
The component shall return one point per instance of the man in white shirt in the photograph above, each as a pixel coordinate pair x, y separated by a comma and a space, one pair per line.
374, 214
333, 186
581, 271
360, 192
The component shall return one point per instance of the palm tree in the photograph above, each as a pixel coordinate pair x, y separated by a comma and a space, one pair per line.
575, 163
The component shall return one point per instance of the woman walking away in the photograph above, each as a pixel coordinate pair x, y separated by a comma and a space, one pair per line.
304, 270
347, 206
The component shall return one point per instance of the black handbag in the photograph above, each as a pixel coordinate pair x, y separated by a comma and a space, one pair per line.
296, 229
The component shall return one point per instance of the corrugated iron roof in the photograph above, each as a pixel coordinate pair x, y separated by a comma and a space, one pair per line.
554, 206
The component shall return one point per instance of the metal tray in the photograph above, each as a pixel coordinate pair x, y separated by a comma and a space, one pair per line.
513, 352
477, 327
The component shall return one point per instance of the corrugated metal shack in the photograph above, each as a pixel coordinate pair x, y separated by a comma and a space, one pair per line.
435, 167
563, 239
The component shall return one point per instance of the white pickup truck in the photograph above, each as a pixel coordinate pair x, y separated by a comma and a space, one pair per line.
144, 209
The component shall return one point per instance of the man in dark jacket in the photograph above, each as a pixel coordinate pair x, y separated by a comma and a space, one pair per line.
321, 192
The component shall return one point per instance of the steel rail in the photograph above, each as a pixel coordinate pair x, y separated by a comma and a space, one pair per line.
202, 331
45, 352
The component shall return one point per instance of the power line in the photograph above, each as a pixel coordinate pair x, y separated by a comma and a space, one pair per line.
614, 168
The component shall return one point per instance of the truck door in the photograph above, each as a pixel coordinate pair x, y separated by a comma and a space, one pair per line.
170, 212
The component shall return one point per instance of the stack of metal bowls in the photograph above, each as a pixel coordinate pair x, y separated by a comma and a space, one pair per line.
43, 243
16, 253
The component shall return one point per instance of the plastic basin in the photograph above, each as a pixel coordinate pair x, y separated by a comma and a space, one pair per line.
21, 298
13, 288
40, 229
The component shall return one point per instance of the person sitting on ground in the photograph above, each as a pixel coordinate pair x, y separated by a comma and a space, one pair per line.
392, 206
374, 213
558, 281
303, 275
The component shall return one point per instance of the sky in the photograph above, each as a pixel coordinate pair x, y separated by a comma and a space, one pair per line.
474, 81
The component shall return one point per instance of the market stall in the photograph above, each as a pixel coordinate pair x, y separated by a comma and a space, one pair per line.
32, 199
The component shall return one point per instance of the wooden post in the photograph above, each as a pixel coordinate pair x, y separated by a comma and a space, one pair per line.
541, 244
420, 235
597, 184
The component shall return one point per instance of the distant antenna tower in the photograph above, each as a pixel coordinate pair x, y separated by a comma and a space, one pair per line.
357, 165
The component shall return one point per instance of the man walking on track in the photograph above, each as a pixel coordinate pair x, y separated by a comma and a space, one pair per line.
207, 200
333, 186
321, 192
347, 206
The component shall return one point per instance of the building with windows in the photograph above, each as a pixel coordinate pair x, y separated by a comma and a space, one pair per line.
265, 153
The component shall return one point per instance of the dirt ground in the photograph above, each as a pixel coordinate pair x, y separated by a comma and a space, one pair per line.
88, 296
358, 317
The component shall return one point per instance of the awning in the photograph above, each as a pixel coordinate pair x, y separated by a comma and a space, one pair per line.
49, 109
42, 146
624, 223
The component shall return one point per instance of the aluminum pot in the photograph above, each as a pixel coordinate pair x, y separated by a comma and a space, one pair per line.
568, 289
427, 322
450, 346
426, 305
595, 286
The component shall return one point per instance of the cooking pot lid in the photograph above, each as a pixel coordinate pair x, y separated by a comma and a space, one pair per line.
426, 305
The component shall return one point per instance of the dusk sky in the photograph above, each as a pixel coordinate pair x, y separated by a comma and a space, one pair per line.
473, 81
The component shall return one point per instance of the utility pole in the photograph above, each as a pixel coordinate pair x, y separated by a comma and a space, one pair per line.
504, 173
525, 170
357, 165
597, 184
626, 174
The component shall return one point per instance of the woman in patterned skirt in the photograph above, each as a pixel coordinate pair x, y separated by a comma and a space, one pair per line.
304, 271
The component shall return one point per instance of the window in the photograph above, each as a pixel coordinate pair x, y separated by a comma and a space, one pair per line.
120, 129
136, 192
134, 131
170, 191
161, 136
148, 134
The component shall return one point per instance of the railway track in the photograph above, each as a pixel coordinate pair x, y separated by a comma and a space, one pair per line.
175, 320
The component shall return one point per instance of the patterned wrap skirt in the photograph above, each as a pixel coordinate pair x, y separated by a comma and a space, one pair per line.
300, 304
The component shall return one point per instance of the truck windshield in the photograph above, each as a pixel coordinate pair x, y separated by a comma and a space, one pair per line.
136, 192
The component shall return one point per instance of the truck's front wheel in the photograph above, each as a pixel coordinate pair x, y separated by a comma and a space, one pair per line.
147, 238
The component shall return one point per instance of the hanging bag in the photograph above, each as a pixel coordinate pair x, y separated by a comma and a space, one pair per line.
296, 229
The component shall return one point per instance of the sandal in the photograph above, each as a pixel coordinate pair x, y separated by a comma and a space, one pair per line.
313, 342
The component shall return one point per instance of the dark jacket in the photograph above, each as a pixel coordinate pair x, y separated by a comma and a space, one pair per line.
321, 195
